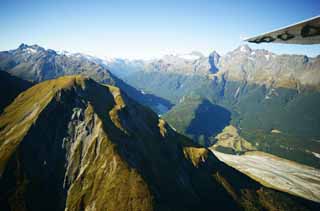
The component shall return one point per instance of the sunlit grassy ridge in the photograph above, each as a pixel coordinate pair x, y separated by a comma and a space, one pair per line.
93, 174
230, 140
23, 112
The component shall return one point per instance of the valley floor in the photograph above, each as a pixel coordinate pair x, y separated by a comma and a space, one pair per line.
277, 173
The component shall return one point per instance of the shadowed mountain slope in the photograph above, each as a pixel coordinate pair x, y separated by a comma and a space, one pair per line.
199, 119
11, 86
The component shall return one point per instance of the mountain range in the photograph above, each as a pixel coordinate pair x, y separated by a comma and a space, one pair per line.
256, 91
34, 63
77, 133
242, 64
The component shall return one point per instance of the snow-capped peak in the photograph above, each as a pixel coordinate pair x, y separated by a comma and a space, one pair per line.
191, 56
108, 59
267, 57
245, 48
30, 50
66, 53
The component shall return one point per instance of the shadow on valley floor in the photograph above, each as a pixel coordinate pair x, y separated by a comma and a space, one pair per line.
209, 120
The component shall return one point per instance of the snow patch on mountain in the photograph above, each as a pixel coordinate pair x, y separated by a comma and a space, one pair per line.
243, 49
30, 50
267, 57
191, 56
65, 53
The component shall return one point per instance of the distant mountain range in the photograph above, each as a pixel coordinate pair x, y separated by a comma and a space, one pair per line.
243, 63
34, 63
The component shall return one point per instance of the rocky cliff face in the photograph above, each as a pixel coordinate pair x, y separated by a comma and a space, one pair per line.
187, 64
242, 64
74, 144
34, 63
264, 67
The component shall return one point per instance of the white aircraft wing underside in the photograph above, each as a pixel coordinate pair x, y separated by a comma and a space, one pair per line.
306, 32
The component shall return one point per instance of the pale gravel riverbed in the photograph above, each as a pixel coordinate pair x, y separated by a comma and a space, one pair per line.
277, 173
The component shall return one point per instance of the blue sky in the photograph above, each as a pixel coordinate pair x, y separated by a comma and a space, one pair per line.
146, 29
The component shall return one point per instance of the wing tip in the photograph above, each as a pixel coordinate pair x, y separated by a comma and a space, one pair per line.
266, 37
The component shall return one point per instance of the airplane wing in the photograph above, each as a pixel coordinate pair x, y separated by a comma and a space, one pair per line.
306, 32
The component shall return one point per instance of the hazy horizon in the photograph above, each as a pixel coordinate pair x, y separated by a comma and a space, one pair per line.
105, 57
144, 30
